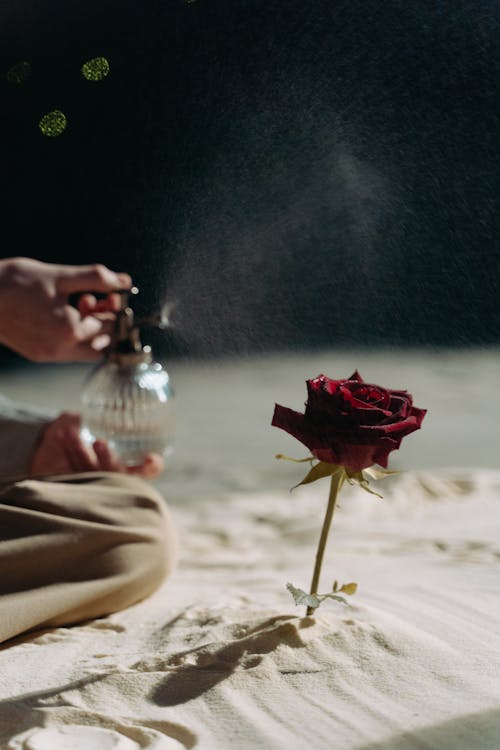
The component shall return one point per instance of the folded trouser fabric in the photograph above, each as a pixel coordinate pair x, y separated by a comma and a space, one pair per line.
77, 547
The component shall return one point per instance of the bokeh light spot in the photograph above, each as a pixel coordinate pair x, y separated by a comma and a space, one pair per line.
53, 123
95, 69
19, 73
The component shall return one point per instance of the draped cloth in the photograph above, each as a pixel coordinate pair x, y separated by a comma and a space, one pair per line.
78, 547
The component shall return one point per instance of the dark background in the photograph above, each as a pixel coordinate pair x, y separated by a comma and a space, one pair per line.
289, 174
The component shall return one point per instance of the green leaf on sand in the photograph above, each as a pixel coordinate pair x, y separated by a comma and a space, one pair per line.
314, 600
300, 597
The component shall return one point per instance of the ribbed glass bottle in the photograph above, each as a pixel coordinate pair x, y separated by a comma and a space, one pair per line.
130, 406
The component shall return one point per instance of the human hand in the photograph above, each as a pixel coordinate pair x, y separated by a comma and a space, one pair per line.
61, 450
36, 319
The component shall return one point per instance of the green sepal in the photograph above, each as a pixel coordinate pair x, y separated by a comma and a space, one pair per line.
281, 457
373, 472
377, 472
320, 471
356, 477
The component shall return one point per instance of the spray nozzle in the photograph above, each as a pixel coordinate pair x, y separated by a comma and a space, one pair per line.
156, 320
159, 319
126, 343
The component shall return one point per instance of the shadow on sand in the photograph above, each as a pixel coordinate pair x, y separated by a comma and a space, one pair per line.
194, 672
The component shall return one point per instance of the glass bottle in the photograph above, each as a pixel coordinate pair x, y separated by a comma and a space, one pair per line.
127, 399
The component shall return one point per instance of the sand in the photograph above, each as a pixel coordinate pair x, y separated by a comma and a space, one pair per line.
220, 657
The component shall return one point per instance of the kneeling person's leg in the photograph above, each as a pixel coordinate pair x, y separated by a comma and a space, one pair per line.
77, 547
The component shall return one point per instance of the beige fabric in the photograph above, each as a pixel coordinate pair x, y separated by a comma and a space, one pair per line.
77, 547
20, 428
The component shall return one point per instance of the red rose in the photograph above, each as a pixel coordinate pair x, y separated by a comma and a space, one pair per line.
350, 422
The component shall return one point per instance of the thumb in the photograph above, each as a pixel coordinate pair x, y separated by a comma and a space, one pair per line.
152, 466
95, 278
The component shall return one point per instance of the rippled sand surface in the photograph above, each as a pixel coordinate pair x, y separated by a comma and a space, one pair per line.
220, 657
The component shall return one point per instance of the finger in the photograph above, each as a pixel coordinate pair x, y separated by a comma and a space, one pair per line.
80, 456
112, 303
86, 304
97, 277
107, 458
68, 420
87, 328
100, 343
81, 329
152, 466
105, 317
89, 305
94, 348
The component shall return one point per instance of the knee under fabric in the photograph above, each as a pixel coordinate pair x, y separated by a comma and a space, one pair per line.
80, 546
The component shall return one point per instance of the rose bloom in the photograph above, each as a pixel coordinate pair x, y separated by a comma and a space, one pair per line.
350, 422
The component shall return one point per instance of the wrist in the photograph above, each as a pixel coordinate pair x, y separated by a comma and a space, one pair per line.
13, 274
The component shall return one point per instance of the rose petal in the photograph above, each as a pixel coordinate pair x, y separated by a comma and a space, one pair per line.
350, 422
356, 376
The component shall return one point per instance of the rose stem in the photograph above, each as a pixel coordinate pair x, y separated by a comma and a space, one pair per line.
335, 485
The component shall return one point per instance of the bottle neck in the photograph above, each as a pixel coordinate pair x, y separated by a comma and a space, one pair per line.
126, 346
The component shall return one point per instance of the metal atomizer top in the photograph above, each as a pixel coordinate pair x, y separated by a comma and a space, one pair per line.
126, 347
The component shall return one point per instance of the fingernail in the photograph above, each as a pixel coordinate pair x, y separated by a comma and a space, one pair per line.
101, 342
124, 279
